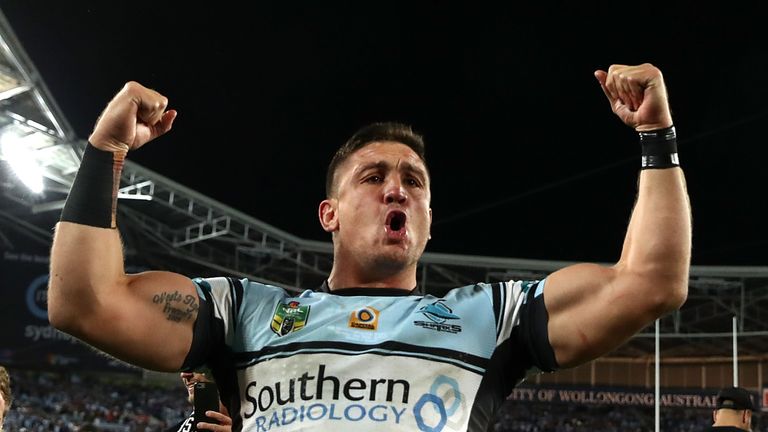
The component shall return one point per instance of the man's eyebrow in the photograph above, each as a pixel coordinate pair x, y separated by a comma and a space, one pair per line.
413, 168
404, 166
372, 165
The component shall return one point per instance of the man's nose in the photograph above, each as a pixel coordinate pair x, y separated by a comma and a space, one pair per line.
395, 193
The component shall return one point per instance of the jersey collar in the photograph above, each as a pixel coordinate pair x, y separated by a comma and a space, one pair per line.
360, 291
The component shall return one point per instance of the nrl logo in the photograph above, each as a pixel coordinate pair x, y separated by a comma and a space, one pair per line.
289, 317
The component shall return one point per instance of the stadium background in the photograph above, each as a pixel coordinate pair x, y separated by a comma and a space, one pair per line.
168, 225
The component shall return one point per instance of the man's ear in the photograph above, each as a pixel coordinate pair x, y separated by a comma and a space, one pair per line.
329, 215
430, 224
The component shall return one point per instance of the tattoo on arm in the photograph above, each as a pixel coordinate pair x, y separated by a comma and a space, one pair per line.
177, 307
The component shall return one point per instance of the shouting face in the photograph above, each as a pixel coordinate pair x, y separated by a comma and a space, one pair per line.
379, 214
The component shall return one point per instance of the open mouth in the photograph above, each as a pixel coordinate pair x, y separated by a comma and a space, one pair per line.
396, 221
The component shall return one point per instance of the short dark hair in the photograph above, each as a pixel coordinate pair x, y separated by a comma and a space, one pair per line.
5, 390
736, 398
374, 132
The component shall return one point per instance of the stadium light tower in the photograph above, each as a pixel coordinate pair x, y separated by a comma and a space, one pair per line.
16, 149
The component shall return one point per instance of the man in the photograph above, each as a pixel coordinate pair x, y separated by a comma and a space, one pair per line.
5, 395
189, 379
733, 411
364, 352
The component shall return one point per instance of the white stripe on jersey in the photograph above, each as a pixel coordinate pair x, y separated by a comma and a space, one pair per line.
223, 303
513, 299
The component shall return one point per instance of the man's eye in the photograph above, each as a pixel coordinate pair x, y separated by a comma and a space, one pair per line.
374, 179
413, 182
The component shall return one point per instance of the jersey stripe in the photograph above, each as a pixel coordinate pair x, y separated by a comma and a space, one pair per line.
497, 291
513, 302
458, 358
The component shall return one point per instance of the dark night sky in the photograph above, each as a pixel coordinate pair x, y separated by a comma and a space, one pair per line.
527, 159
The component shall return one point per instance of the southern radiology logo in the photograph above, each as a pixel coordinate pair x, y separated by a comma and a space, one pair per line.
320, 398
443, 390
438, 314
289, 317
366, 318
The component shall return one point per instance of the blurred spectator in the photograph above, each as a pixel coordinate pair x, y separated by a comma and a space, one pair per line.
5, 395
733, 411
189, 379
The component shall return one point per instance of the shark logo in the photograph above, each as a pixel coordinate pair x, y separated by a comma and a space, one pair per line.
438, 312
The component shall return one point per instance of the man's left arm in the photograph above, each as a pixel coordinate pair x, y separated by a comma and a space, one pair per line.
593, 309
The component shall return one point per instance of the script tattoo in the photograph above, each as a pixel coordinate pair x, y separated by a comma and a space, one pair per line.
177, 307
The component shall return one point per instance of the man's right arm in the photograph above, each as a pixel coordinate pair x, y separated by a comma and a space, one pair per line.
145, 319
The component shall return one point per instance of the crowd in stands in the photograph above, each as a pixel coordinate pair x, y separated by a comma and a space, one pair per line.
82, 402
77, 402
541, 417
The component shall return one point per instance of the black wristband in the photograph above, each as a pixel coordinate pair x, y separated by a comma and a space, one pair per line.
93, 195
659, 149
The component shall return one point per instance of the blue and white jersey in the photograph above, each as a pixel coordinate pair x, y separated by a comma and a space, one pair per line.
367, 359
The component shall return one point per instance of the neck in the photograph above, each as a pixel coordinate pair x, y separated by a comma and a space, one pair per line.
353, 277
732, 418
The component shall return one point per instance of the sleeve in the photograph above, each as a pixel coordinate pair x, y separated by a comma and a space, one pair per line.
214, 318
522, 320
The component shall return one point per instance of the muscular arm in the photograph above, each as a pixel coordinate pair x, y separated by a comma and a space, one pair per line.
145, 319
594, 309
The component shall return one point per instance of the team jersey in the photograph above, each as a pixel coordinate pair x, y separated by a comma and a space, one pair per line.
186, 425
368, 359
